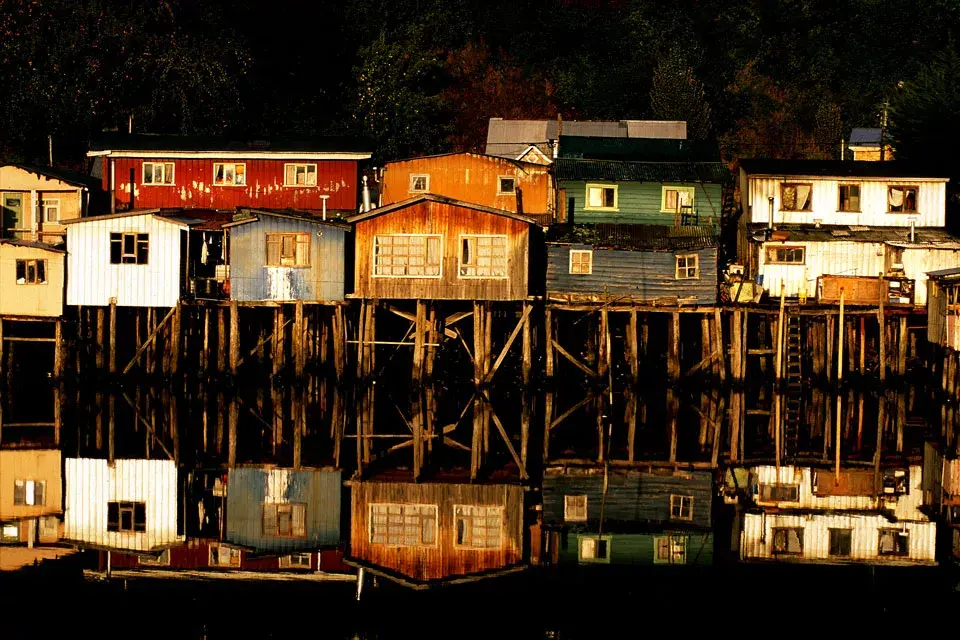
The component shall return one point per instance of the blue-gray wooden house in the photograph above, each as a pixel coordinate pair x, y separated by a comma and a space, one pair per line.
285, 256
627, 517
632, 263
273, 510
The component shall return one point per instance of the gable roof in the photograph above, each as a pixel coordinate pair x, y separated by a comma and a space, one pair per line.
248, 215
31, 245
865, 137
635, 237
483, 156
430, 197
63, 175
631, 171
156, 213
141, 144
510, 138
840, 168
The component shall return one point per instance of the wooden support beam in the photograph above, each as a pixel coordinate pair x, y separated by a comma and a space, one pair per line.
299, 357
100, 345
506, 347
703, 363
149, 342
234, 337
113, 336
590, 372
221, 340
718, 345
673, 346
175, 339
882, 322
902, 343
151, 431
506, 438
233, 417
566, 414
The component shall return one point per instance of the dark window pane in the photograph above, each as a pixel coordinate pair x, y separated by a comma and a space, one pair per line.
115, 248
126, 520
140, 516
129, 241
41, 270
21, 270
113, 516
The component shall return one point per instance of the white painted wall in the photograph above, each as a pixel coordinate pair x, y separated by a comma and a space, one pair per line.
91, 484
92, 280
931, 211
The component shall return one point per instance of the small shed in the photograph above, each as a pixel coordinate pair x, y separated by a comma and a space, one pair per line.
419, 533
943, 307
126, 504
30, 495
283, 510
283, 256
31, 279
431, 247
633, 263
36, 201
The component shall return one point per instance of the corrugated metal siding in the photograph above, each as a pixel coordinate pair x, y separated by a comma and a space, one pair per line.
834, 258
639, 203
917, 262
251, 280
937, 314
949, 475
448, 220
93, 280
31, 299
473, 178
91, 484
264, 188
632, 497
757, 538
444, 559
248, 489
931, 210
639, 548
637, 275
38, 464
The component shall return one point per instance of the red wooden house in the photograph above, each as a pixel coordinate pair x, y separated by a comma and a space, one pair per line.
170, 171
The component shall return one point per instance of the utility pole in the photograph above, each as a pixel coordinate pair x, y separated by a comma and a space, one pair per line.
883, 128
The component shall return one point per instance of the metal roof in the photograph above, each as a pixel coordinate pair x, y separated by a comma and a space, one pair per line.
63, 175
839, 168
629, 171
247, 215
166, 142
924, 237
944, 273
865, 137
31, 245
644, 149
635, 237
510, 138
430, 197
483, 156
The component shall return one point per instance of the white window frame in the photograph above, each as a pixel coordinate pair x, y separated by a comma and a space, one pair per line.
675, 543
500, 191
373, 256
686, 257
30, 493
859, 186
679, 189
680, 501
476, 236
575, 517
403, 507
413, 180
598, 185
498, 512
48, 204
594, 540
153, 174
587, 252
306, 166
295, 561
234, 183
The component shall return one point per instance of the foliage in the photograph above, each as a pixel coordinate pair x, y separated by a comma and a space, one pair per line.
678, 95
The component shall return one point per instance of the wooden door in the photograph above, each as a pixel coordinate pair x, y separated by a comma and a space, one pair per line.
12, 213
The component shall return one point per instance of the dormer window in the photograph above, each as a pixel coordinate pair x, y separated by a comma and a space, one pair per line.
796, 196
902, 199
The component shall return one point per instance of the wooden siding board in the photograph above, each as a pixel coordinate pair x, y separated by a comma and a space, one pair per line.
632, 497
639, 548
638, 275
450, 221
249, 488
31, 299
639, 203
443, 560
252, 280
193, 186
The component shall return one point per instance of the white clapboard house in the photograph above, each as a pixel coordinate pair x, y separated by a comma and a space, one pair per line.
804, 219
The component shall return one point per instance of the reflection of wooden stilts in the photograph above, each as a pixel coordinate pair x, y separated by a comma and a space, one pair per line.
548, 396
233, 419
234, 337
528, 398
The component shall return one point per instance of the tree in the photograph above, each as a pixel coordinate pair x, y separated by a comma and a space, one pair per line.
678, 95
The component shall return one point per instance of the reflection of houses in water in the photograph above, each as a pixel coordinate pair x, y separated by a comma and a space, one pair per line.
30, 496
611, 516
818, 516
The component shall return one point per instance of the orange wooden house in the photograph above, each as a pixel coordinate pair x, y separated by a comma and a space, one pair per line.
500, 183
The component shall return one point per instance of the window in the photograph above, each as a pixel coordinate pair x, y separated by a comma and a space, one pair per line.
581, 261
224, 556
157, 173
670, 550
288, 250
287, 520
127, 517
673, 199
788, 540
419, 183
162, 560
405, 525
796, 197
785, 255
10, 532
300, 560
29, 493
506, 186
902, 199
595, 549
681, 507
31, 271
129, 248
688, 267
229, 174
406, 256
575, 508
601, 197
840, 541
849, 198
779, 493
478, 527
300, 175
51, 209
894, 542
483, 256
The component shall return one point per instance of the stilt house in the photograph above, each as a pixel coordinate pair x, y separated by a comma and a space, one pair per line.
30, 496
37, 200
31, 279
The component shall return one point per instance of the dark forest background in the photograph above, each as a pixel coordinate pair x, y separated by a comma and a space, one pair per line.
785, 78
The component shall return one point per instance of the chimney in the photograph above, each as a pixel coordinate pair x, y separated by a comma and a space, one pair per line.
770, 218
323, 198
913, 229
366, 195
